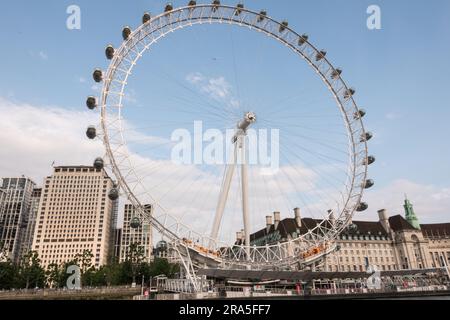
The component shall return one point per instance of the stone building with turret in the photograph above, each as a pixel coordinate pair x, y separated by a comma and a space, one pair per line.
391, 243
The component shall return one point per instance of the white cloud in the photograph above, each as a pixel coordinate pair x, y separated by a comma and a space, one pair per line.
431, 203
392, 116
443, 194
43, 55
217, 88
96, 88
195, 77
130, 96
33, 137
81, 80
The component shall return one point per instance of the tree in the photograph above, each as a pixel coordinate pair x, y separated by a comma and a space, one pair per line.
8, 275
85, 260
162, 266
113, 274
135, 256
30, 270
98, 278
85, 263
53, 275
125, 275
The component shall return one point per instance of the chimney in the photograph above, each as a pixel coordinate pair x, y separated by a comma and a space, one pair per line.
384, 220
298, 217
269, 222
276, 219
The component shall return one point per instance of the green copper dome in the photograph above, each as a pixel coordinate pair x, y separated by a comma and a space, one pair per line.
410, 215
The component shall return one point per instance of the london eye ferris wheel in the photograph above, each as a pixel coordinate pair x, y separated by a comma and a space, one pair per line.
199, 206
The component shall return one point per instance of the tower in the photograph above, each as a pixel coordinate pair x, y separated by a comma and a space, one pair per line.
75, 215
410, 215
14, 215
135, 231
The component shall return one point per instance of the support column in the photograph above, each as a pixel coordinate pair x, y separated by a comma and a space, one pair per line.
225, 189
245, 212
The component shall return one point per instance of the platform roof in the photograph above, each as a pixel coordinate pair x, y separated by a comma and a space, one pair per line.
301, 275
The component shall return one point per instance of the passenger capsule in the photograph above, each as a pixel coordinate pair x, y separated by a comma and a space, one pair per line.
135, 223
239, 8
320, 55
369, 184
192, 3
91, 132
369, 160
302, 40
262, 15
359, 114
349, 93
98, 75
168, 8
283, 26
99, 164
146, 18
216, 4
109, 52
336, 73
91, 102
362, 207
366, 137
126, 32
113, 194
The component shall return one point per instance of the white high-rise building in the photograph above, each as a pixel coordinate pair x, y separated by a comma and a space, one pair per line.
75, 214
134, 231
14, 215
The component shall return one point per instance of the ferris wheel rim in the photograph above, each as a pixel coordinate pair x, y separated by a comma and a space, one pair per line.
125, 47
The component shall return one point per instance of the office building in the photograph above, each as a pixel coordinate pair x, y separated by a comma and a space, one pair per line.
75, 215
27, 242
136, 231
391, 243
14, 215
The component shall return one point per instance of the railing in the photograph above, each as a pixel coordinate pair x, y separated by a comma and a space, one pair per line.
396, 289
183, 285
66, 293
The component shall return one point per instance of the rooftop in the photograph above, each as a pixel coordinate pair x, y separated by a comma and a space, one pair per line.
436, 230
288, 227
81, 167
398, 223
302, 275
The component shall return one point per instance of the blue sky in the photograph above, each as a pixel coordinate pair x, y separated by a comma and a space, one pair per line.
401, 72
